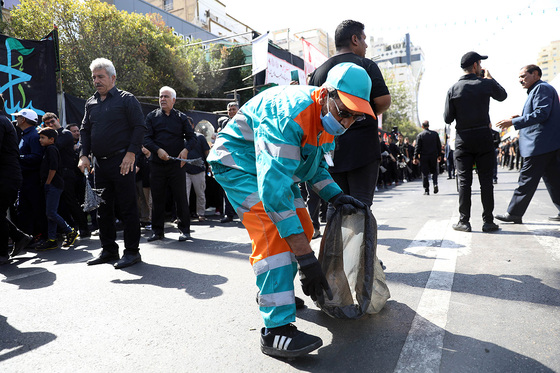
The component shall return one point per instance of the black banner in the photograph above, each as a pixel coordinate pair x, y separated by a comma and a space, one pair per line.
27, 75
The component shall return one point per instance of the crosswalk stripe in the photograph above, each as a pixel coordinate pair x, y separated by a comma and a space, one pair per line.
424, 344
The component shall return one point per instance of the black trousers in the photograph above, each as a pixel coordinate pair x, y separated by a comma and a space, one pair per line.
359, 183
8, 195
164, 175
120, 193
70, 208
472, 148
450, 164
546, 166
428, 165
31, 216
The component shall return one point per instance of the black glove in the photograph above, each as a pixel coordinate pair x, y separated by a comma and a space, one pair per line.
313, 281
348, 204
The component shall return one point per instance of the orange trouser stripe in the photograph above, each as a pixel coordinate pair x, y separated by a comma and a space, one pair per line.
265, 239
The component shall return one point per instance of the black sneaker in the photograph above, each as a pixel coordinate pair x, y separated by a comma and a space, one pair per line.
462, 226
70, 238
287, 341
490, 227
48, 245
436, 189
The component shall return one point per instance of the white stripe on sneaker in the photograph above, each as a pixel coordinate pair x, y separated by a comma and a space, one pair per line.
281, 342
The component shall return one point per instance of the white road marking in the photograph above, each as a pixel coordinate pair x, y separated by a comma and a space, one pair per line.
548, 237
424, 343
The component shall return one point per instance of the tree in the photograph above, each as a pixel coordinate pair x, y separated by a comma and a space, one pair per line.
399, 113
144, 51
213, 80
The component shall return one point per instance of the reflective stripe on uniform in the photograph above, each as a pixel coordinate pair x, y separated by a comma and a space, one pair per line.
273, 262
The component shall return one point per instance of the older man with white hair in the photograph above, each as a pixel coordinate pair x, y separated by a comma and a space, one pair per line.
169, 133
112, 131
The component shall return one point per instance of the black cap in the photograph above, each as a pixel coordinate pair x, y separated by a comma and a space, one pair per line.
470, 58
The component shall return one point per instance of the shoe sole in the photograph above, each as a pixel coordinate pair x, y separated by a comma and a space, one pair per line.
108, 260
462, 229
510, 220
128, 265
491, 230
271, 351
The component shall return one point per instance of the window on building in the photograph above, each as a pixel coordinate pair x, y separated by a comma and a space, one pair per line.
167, 5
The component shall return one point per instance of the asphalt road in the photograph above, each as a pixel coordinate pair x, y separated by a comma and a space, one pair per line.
460, 302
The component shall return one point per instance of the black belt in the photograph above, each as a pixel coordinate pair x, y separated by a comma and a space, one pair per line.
110, 155
472, 129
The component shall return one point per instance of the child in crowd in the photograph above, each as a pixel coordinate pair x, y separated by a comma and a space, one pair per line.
53, 186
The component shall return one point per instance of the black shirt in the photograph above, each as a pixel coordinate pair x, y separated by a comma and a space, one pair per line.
359, 145
428, 144
198, 151
10, 170
172, 133
65, 145
112, 125
51, 161
468, 101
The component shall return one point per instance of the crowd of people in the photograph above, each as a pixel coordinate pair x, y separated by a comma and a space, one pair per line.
277, 158
144, 170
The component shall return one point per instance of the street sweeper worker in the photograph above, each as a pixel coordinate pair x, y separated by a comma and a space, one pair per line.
278, 139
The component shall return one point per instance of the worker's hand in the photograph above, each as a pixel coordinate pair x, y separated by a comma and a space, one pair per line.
348, 204
313, 281
127, 164
415, 161
162, 154
84, 164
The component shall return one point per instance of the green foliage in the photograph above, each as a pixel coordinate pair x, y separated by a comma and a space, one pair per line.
213, 82
144, 51
401, 107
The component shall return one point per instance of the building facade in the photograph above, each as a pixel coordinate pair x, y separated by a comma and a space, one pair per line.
549, 61
292, 41
210, 15
404, 62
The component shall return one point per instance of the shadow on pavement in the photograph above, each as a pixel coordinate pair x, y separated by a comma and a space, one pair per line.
28, 278
197, 285
14, 343
522, 288
374, 343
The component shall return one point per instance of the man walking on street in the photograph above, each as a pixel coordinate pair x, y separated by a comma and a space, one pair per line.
428, 151
168, 133
539, 144
467, 104
112, 131
277, 140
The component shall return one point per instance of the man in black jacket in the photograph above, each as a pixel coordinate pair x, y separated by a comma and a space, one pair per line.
112, 131
428, 151
467, 104
169, 133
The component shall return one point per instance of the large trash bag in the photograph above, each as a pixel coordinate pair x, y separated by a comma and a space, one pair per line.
349, 261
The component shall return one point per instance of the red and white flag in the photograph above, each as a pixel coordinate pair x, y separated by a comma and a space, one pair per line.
312, 57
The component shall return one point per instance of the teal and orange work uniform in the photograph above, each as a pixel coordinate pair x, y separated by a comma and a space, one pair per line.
275, 141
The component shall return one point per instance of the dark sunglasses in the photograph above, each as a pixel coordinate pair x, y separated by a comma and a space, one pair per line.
346, 114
